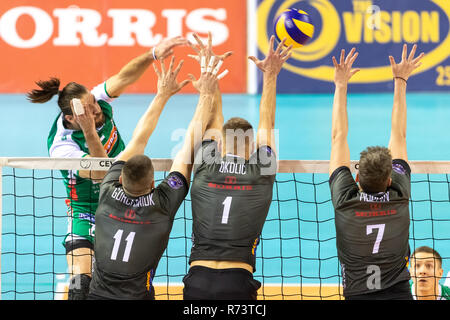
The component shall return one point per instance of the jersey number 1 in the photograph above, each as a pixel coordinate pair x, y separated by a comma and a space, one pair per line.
117, 237
226, 209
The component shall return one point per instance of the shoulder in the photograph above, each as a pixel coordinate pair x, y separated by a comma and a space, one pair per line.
265, 159
341, 174
445, 292
342, 185
100, 93
207, 153
401, 167
173, 182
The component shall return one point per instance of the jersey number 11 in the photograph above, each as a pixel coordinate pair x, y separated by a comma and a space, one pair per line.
117, 239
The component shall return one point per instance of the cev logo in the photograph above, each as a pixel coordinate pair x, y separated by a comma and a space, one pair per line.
374, 29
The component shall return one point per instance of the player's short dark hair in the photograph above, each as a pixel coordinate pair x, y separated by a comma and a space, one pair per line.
375, 168
426, 249
137, 174
233, 128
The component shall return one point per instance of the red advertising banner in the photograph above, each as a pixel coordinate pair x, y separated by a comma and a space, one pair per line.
88, 41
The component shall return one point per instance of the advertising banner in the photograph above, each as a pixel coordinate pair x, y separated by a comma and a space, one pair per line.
377, 29
88, 41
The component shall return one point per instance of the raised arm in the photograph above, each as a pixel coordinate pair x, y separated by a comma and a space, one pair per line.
207, 87
167, 87
86, 120
134, 69
214, 127
271, 67
401, 73
340, 152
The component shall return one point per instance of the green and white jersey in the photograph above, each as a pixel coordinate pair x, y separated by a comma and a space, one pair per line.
443, 294
82, 194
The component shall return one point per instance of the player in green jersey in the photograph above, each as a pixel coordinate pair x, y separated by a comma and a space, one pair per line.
89, 133
372, 211
426, 272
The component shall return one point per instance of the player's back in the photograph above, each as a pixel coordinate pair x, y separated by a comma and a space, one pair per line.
131, 235
230, 197
372, 231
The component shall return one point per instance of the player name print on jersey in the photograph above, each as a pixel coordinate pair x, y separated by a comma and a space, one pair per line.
379, 197
232, 167
143, 201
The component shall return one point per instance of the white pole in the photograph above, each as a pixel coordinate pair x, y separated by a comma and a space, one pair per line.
1, 212
252, 34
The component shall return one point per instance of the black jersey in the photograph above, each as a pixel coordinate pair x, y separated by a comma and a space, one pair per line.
230, 197
131, 235
372, 231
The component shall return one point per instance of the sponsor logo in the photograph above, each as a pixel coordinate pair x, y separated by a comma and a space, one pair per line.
74, 26
111, 140
105, 163
229, 187
85, 164
398, 168
230, 180
174, 182
361, 23
365, 214
128, 221
87, 216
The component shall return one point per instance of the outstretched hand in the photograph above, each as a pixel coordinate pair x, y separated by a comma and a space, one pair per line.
165, 47
206, 51
206, 84
343, 70
273, 62
167, 80
407, 65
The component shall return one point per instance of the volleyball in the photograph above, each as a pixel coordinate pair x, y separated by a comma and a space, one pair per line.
294, 25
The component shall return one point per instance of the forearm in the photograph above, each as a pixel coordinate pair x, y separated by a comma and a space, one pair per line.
147, 123
94, 144
96, 150
129, 74
144, 128
185, 157
267, 109
339, 127
398, 122
198, 124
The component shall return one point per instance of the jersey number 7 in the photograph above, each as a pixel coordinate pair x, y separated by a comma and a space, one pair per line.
380, 234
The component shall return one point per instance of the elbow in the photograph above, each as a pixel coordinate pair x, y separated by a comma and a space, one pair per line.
337, 135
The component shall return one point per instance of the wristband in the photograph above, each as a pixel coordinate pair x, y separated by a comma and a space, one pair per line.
153, 53
401, 79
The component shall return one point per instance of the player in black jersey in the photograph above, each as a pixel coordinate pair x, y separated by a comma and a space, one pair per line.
134, 219
232, 192
372, 218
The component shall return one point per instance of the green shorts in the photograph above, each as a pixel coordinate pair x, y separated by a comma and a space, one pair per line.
81, 226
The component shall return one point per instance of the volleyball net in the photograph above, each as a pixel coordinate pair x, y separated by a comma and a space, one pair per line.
296, 257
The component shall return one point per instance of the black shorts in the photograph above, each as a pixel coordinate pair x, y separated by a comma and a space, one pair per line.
399, 291
202, 283
77, 244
